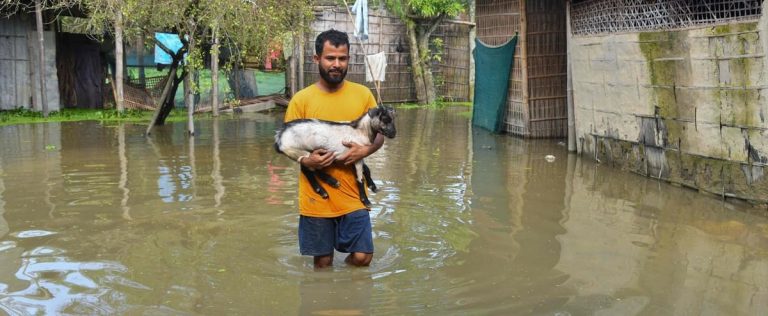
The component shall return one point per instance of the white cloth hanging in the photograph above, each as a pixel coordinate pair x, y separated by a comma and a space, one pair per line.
360, 10
378, 64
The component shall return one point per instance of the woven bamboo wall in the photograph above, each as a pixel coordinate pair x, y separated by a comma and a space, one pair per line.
452, 72
497, 22
537, 89
387, 33
547, 68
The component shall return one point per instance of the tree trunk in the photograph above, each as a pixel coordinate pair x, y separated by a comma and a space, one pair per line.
429, 81
215, 72
119, 67
416, 64
418, 40
167, 98
189, 95
41, 68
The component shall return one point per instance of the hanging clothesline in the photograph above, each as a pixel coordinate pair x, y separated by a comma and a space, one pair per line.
360, 41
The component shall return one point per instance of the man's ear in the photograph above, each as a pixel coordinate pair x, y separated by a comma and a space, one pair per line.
316, 58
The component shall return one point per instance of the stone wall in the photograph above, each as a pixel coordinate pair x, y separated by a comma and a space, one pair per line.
686, 106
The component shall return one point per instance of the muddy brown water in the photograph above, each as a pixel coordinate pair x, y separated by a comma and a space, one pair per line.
98, 219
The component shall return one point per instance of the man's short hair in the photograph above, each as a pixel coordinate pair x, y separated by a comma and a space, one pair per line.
336, 38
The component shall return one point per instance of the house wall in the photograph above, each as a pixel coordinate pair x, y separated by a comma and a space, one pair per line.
19, 76
686, 106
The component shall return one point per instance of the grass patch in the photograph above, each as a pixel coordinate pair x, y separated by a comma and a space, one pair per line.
25, 116
437, 105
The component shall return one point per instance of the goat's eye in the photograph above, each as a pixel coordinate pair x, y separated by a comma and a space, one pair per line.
386, 119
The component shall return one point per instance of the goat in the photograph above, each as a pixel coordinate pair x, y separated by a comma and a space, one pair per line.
298, 138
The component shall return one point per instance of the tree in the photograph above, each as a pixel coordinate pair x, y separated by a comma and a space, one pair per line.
421, 18
245, 26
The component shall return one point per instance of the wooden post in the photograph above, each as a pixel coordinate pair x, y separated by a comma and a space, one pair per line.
215, 71
142, 73
41, 66
119, 67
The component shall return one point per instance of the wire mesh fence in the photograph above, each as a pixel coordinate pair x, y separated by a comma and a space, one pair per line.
615, 16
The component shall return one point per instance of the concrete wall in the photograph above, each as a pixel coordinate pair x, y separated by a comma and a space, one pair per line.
685, 106
19, 76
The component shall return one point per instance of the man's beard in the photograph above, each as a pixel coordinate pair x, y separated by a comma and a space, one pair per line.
332, 80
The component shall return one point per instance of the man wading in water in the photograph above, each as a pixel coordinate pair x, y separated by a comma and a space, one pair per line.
340, 222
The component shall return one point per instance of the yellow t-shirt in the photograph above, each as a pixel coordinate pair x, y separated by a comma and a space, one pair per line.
348, 103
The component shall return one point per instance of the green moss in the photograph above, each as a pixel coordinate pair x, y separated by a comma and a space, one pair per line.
732, 28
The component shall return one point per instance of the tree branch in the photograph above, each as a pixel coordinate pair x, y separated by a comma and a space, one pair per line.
434, 24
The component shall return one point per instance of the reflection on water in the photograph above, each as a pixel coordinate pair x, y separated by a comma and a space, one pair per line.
97, 219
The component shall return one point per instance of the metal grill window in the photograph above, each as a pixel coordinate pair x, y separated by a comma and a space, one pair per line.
616, 16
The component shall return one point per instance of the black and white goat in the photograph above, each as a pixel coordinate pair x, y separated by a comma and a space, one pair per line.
299, 138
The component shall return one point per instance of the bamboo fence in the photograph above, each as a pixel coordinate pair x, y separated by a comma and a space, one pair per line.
537, 103
387, 34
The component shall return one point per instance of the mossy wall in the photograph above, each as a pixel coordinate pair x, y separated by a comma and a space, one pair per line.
685, 106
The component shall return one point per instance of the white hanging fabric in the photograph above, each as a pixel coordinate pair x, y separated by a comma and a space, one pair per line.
360, 10
378, 65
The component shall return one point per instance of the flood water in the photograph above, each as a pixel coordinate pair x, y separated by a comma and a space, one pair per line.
98, 219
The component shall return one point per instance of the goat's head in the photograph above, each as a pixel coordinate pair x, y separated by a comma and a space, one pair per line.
383, 121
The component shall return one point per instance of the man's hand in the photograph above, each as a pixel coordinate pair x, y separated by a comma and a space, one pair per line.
354, 154
318, 159
357, 151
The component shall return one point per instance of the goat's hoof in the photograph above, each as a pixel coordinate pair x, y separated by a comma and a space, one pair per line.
322, 194
367, 203
334, 184
373, 188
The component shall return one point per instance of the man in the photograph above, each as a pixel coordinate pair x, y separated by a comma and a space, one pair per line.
340, 222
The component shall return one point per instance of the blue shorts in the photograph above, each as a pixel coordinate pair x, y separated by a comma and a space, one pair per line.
351, 232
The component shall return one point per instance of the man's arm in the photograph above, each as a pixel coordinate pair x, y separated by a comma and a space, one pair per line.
316, 160
357, 151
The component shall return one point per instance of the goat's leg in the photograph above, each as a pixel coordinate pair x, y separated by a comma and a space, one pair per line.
360, 185
327, 178
368, 179
313, 182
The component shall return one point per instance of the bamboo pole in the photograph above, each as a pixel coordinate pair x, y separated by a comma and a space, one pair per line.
472, 37
41, 48
571, 114
362, 48
524, 68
